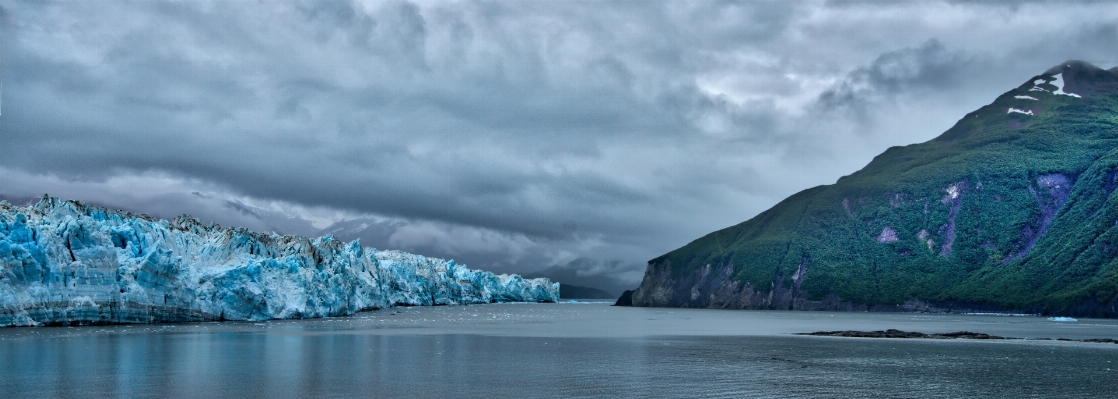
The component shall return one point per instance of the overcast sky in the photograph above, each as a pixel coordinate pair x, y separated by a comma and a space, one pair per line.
508, 135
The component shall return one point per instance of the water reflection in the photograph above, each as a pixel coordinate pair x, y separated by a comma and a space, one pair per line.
425, 354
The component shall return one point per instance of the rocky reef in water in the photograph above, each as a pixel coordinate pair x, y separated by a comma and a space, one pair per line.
68, 263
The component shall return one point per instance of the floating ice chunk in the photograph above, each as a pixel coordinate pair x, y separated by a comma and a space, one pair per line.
1025, 98
1015, 110
62, 262
1062, 319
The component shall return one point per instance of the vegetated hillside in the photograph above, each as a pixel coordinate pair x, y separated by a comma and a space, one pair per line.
1010, 209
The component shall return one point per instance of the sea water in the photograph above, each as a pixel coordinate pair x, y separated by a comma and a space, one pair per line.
563, 350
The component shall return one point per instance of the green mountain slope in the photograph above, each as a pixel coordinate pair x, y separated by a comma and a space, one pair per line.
1010, 209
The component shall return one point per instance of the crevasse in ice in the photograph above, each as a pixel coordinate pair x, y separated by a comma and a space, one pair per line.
63, 262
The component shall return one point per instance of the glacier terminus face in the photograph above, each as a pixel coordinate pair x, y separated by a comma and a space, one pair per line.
67, 263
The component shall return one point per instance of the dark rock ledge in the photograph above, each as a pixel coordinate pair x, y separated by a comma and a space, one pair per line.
892, 333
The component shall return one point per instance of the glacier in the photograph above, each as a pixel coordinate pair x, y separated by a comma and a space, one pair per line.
68, 263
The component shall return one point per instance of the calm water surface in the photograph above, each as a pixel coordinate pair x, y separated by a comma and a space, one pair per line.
562, 350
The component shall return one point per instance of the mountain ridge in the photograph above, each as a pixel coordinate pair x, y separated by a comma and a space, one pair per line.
974, 219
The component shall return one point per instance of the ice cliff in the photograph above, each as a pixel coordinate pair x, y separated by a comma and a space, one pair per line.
65, 263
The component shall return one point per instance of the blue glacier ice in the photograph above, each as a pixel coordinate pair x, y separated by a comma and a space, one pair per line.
67, 263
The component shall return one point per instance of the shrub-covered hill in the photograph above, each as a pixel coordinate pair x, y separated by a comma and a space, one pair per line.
1010, 209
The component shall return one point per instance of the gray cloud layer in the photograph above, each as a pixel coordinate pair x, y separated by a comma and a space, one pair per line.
509, 135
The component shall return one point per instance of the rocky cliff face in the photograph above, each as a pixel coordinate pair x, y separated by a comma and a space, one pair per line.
714, 288
1011, 209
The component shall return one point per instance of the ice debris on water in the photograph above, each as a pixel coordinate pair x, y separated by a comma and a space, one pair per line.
63, 262
1062, 320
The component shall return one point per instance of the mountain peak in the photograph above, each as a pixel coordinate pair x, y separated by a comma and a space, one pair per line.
1082, 78
1010, 209
1072, 66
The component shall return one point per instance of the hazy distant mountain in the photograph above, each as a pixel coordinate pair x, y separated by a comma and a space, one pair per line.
1012, 208
590, 279
568, 291
585, 273
373, 233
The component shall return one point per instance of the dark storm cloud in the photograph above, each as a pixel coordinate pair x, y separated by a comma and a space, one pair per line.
174, 111
242, 208
511, 135
927, 68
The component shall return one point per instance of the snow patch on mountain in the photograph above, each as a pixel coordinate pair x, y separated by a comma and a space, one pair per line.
1015, 110
1057, 80
1059, 83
